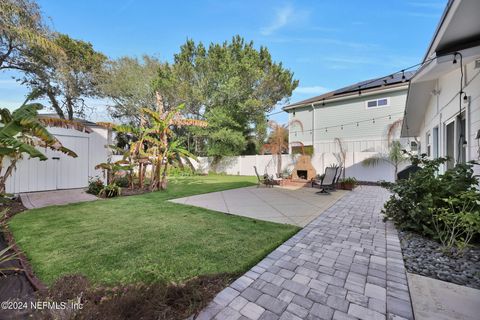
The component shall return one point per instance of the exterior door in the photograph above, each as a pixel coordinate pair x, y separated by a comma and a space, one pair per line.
58, 172
72, 172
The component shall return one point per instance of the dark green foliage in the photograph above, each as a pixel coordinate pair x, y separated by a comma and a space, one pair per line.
110, 191
177, 171
413, 199
122, 182
95, 185
230, 85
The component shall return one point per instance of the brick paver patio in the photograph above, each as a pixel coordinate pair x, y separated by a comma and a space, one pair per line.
345, 264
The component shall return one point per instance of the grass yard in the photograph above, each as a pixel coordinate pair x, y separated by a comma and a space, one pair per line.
145, 238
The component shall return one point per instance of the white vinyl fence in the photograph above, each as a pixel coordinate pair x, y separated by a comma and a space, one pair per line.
243, 165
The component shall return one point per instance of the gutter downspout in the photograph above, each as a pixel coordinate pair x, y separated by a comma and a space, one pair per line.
313, 128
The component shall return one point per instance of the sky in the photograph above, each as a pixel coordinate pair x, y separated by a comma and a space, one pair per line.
326, 44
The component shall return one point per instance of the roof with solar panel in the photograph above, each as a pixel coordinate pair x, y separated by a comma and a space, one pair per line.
397, 79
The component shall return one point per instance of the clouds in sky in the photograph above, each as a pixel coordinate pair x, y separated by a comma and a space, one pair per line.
284, 16
313, 90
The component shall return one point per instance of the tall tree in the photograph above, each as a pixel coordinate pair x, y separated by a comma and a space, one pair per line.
231, 85
67, 79
22, 29
277, 143
129, 84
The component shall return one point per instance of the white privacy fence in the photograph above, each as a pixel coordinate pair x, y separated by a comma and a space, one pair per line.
243, 165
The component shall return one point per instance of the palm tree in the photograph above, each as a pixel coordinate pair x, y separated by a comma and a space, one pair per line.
155, 142
395, 155
277, 142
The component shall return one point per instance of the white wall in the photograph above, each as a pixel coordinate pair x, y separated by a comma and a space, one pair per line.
243, 165
34, 175
445, 106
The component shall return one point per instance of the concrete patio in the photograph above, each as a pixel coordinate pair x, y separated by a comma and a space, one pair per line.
42, 199
292, 206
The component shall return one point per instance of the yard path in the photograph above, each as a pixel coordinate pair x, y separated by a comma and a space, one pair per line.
345, 264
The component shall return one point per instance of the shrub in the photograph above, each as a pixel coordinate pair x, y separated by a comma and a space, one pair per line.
417, 200
122, 182
95, 185
349, 180
457, 224
110, 190
186, 171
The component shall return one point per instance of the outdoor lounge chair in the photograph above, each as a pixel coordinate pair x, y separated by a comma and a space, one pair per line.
266, 180
328, 181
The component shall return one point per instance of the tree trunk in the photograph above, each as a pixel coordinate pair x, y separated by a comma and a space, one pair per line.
140, 175
163, 183
279, 164
70, 108
55, 104
8, 173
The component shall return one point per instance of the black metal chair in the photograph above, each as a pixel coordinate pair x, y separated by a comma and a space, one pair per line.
327, 182
266, 180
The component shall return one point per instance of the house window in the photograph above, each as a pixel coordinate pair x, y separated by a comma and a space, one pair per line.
413, 146
435, 142
450, 144
455, 143
428, 142
377, 103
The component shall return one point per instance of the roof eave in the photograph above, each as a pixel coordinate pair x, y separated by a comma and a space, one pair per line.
349, 95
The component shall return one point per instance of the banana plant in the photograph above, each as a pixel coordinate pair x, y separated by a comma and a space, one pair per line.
21, 133
5, 257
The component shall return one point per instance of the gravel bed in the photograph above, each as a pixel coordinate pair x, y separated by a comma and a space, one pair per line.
424, 257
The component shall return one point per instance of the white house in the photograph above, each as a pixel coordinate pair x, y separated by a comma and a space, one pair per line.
61, 171
443, 103
359, 115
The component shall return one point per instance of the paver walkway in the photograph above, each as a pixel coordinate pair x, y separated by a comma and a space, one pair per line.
297, 207
346, 264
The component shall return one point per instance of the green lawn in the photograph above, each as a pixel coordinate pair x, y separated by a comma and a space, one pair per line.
144, 238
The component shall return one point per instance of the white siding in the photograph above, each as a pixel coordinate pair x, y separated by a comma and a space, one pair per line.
370, 133
34, 175
445, 106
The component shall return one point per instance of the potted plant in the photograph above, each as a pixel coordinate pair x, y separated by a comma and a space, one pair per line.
348, 183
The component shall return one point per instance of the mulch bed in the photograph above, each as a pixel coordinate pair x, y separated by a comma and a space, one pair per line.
425, 257
133, 192
154, 301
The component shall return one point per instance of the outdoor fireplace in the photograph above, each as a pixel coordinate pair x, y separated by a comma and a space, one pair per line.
302, 174
303, 169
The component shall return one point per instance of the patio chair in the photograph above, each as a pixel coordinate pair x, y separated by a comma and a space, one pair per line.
328, 181
266, 180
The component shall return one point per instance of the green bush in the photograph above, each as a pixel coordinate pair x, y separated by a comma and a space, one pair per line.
457, 224
110, 190
186, 171
122, 182
95, 185
417, 200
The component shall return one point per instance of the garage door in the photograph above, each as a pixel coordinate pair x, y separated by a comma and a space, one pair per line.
58, 172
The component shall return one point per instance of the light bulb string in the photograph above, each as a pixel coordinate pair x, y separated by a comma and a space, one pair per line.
356, 123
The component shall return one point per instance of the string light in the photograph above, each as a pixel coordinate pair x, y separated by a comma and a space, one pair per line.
403, 75
357, 123
323, 102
